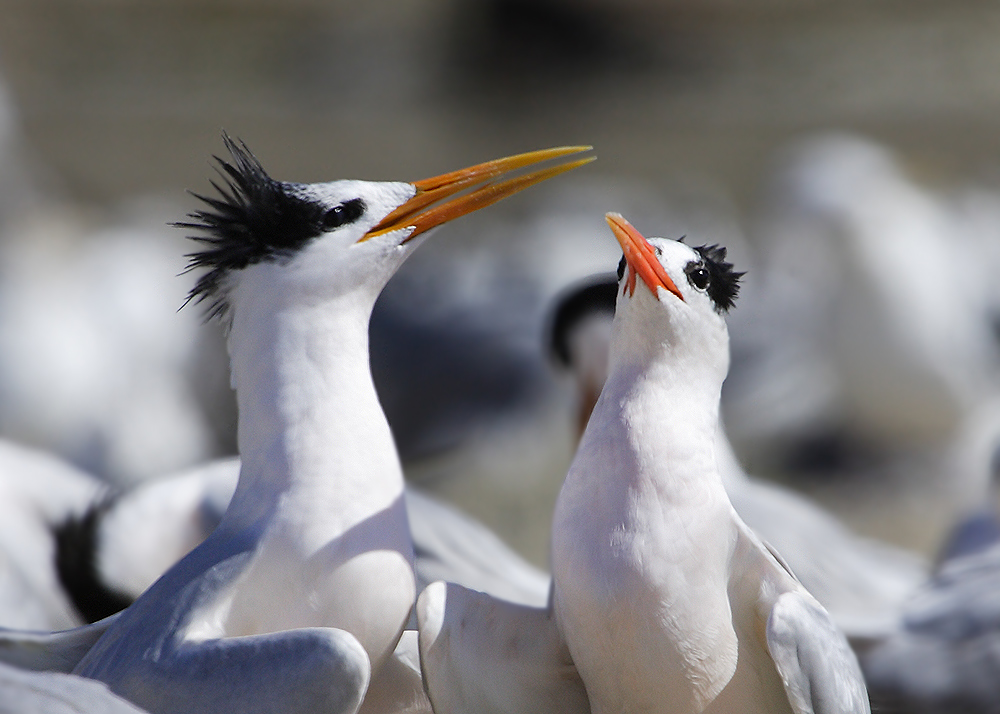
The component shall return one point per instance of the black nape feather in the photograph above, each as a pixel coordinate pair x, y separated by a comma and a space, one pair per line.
255, 219
724, 282
596, 296
76, 543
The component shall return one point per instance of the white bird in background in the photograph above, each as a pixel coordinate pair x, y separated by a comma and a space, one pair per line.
941, 655
37, 492
299, 598
84, 371
862, 583
667, 600
942, 658
870, 320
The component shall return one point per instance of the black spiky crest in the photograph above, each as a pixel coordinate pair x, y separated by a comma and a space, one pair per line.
256, 218
724, 282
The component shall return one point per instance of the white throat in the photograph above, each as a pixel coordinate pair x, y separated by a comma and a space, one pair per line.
666, 375
312, 435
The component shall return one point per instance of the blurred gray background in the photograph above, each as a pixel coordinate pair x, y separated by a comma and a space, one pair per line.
116, 106
118, 96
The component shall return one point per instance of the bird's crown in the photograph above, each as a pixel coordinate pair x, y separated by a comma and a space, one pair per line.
255, 218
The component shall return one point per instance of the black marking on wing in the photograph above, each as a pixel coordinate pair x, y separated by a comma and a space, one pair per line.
76, 543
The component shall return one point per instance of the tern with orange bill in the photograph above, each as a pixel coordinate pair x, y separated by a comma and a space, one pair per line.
663, 600
298, 600
861, 582
667, 601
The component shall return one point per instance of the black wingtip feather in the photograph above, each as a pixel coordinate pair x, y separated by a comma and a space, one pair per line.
76, 544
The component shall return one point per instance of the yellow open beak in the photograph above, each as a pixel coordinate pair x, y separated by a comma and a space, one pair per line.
426, 209
640, 256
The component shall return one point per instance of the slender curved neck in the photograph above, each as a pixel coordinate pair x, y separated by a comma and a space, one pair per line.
666, 410
312, 434
661, 399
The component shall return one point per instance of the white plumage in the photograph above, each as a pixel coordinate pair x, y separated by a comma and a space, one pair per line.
37, 492
667, 601
861, 582
299, 598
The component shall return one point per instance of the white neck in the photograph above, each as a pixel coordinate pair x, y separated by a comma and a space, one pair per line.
663, 391
312, 435
660, 419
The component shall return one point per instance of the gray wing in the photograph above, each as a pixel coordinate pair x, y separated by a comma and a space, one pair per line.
52, 651
302, 671
482, 655
945, 654
820, 672
56, 693
450, 545
861, 583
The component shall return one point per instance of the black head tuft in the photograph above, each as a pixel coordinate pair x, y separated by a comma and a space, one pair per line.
724, 282
254, 219
597, 295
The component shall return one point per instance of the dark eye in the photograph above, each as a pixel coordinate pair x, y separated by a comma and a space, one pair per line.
621, 268
346, 212
697, 275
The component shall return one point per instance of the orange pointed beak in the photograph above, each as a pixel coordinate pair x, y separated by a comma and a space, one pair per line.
640, 256
436, 202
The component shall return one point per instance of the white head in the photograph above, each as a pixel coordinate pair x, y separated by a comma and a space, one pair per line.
310, 243
677, 314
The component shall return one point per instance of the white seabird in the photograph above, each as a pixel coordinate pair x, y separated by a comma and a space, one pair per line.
666, 599
942, 654
37, 491
861, 582
298, 599
850, 336
609, 639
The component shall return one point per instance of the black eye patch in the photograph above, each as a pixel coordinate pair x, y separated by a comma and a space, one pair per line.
697, 275
343, 214
722, 283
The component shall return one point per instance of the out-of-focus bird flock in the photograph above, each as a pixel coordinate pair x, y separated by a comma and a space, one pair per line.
860, 420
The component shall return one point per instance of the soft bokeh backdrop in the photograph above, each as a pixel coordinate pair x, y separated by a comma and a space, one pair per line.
114, 108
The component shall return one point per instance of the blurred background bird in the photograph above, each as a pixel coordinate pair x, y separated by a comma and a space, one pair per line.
847, 156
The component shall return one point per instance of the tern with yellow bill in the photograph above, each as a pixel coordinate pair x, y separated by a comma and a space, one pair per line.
297, 601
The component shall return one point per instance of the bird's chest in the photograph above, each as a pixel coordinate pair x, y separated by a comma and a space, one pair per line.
645, 591
361, 581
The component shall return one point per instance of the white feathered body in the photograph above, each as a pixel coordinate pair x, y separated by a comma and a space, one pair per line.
661, 591
651, 571
316, 534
